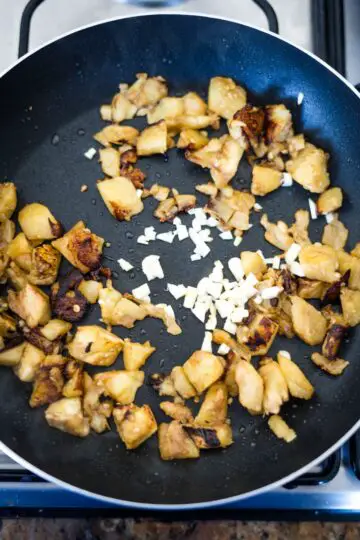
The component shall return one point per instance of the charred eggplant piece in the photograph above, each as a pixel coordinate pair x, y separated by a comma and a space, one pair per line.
332, 341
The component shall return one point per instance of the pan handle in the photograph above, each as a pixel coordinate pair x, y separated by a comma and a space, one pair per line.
32, 6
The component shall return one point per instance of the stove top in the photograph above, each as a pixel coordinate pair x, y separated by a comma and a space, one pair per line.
329, 28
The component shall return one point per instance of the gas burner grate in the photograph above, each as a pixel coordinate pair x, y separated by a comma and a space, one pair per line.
323, 474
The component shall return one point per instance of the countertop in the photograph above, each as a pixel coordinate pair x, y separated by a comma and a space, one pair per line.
130, 529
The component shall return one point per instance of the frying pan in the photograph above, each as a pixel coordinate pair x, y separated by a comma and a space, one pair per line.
49, 105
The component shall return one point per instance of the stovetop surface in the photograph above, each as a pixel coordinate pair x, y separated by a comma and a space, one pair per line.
331, 489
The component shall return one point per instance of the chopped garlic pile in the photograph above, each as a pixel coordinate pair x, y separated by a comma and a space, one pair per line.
215, 296
199, 233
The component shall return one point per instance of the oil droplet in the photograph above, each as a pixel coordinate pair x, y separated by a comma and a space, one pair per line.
161, 330
166, 158
253, 444
242, 429
115, 275
129, 235
162, 362
55, 139
93, 201
168, 173
81, 132
131, 250
131, 275
101, 213
184, 317
143, 332
257, 432
157, 175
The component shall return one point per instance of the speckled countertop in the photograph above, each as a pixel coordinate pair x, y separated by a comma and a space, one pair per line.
131, 529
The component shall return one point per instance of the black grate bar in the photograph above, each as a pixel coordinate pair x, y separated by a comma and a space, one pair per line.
270, 14
330, 468
328, 32
25, 24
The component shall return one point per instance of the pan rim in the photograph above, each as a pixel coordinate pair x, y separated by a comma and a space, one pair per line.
205, 504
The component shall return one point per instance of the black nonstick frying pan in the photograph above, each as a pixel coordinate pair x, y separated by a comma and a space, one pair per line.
49, 105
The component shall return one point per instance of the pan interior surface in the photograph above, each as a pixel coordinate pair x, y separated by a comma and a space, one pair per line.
49, 110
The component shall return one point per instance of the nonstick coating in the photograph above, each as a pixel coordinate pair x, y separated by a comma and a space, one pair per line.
49, 110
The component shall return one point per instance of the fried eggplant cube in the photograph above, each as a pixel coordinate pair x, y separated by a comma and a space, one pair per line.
309, 168
134, 424
115, 134
66, 414
265, 180
299, 386
177, 411
95, 345
251, 387
74, 386
120, 385
222, 156
118, 310
191, 139
168, 107
81, 247
55, 328
45, 262
333, 367
20, 250
97, 411
210, 437
136, 354
181, 383
31, 360
31, 304
263, 331
279, 123
350, 304
334, 336
7, 325
163, 385
203, 369
110, 161
225, 97
349, 262
90, 289
48, 381
12, 356
319, 262
214, 408
275, 386
175, 443
8, 200
330, 200
152, 140
309, 324
280, 428
335, 234
38, 223
252, 262
120, 197
309, 289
